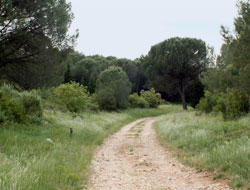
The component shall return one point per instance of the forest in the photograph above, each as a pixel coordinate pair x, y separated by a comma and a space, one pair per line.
45, 83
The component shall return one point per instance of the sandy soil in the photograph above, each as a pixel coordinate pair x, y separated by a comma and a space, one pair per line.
134, 159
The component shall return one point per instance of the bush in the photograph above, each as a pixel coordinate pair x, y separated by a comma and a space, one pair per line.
231, 104
72, 95
153, 99
2, 116
236, 103
106, 99
136, 101
32, 104
13, 109
92, 103
18, 107
207, 103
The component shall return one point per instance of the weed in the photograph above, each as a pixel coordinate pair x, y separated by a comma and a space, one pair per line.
28, 161
210, 142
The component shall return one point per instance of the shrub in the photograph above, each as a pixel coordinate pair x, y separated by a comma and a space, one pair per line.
18, 107
231, 104
13, 109
207, 103
106, 99
2, 116
92, 103
153, 99
236, 103
32, 104
72, 95
136, 101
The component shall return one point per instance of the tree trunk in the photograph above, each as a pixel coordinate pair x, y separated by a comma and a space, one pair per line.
183, 97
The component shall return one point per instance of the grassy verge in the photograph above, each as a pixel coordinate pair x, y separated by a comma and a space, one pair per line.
28, 161
208, 142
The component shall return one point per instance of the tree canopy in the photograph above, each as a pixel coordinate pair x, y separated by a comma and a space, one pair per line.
172, 64
29, 28
113, 88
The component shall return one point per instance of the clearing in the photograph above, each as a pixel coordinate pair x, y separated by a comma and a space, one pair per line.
134, 159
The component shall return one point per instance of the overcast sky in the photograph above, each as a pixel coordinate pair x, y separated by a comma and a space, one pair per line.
128, 28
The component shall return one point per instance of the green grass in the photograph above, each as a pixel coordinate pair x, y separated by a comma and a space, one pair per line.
28, 161
204, 141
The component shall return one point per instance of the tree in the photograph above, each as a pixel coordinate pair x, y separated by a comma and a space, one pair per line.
130, 68
29, 28
44, 70
241, 42
87, 69
67, 74
172, 64
113, 86
233, 63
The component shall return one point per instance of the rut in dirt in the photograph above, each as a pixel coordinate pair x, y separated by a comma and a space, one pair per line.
133, 159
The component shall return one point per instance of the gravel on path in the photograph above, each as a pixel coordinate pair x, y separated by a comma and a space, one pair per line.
133, 159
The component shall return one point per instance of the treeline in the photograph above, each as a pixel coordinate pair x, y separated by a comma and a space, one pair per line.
227, 81
86, 69
37, 53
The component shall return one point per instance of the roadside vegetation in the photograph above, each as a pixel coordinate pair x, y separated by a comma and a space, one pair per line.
208, 142
48, 88
42, 154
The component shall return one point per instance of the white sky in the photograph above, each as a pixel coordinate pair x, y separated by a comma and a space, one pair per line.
128, 28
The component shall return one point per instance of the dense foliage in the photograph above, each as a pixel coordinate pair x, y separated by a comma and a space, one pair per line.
232, 103
171, 65
18, 107
136, 101
113, 88
86, 69
228, 81
153, 98
34, 41
72, 95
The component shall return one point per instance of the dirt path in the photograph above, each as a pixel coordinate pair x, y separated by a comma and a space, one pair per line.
133, 159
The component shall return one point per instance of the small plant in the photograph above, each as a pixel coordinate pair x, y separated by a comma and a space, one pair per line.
32, 104
72, 95
136, 101
72, 178
153, 98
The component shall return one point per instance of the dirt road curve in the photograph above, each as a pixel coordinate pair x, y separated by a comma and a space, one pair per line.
133, 159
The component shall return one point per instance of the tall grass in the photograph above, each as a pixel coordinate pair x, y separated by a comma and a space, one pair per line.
209, 142
28, 160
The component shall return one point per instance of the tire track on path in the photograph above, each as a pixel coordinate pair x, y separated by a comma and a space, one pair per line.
133, 159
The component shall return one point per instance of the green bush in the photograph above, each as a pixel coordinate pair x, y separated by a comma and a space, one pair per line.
106, 99
153, 98
18, 106
236, 103
13, 109
92, 103
2, 116
231, 104
136, 101
207, 103
72, 95
32, 104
